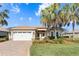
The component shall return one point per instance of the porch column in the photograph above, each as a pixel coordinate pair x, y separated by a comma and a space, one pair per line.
33, 33
9, 35
40, 36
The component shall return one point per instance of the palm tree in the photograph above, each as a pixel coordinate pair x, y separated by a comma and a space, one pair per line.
69, 15
45, 20
50, 17
3, 16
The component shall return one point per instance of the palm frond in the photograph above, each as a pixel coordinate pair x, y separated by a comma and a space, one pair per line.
3, 15
4, 22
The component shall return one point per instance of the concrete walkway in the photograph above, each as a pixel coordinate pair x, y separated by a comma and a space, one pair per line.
15, 48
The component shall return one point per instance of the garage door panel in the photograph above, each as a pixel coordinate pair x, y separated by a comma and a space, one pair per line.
22, 36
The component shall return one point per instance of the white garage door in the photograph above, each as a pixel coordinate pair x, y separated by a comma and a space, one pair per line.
22, 36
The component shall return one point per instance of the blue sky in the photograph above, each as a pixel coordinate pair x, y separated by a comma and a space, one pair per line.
26, 14
22, 14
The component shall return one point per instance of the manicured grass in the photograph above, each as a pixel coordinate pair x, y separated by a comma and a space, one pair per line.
48, 49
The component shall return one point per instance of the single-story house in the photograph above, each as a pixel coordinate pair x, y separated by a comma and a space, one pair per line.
26, 32
30, 32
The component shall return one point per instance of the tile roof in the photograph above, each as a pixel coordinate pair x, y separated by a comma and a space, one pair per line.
27, 27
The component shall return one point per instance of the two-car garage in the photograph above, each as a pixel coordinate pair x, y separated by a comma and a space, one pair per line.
22, 36
22, 33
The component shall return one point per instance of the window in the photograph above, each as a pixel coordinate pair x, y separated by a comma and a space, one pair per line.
43, 34
51, 33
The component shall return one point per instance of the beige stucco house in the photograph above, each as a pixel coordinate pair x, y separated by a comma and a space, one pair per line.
27, 33
30, 33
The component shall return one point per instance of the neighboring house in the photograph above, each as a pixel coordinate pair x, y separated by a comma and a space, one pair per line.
70, 34
4, 34
3, 31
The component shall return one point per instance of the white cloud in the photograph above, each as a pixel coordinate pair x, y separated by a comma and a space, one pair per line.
30, 18
41, 7
27, 3
37, 13
21, 18
15, 8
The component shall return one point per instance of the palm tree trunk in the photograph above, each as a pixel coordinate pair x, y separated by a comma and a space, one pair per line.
47, 32
55, 34
73, 25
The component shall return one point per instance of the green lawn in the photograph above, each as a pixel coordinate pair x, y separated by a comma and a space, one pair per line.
55, 50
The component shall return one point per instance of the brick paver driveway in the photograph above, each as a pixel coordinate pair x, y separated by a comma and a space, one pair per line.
15, 48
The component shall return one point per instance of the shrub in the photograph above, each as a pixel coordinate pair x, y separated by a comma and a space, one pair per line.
3, 38
59, 40
38, 41
51, 37
75, 41
43, 41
